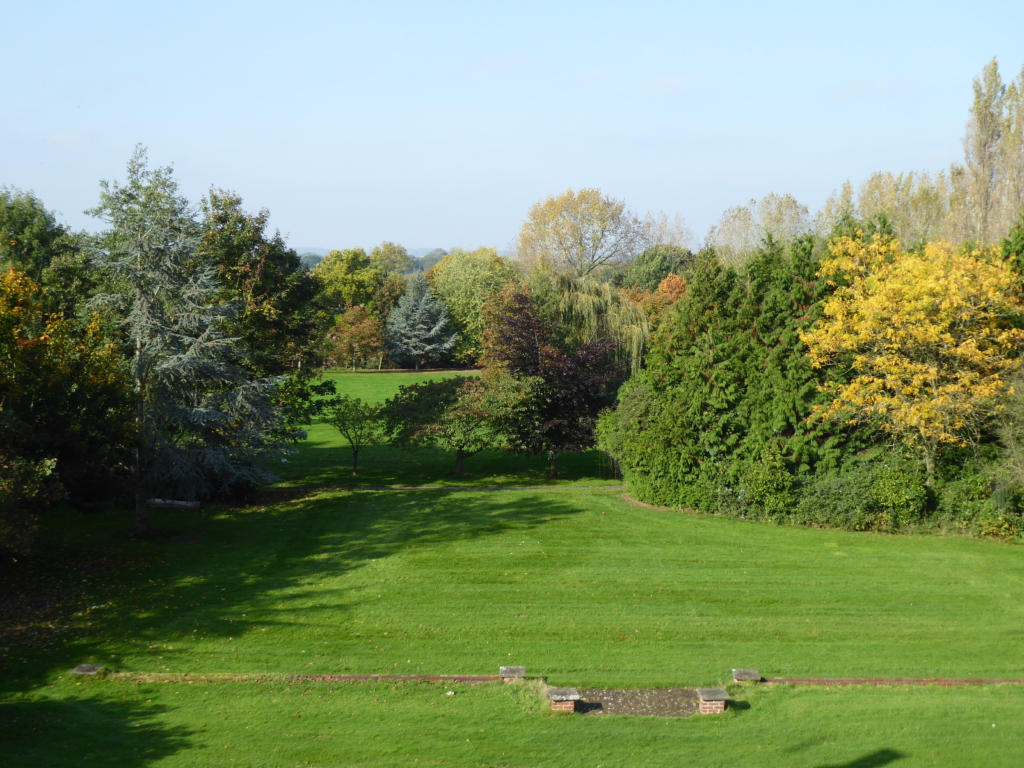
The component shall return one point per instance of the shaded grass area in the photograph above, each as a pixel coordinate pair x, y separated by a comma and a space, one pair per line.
578, 585
325, 459
276, 724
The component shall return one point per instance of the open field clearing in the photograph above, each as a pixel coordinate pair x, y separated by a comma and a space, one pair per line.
324, 458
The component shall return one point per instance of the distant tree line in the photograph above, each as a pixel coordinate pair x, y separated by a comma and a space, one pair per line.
855, 368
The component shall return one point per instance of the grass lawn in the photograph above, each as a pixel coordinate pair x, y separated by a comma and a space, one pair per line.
280, 725
579, 584
325, 459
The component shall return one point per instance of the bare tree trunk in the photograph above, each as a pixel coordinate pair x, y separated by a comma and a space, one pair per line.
929, 465
141, 509
553, 466
460, 457
355, 459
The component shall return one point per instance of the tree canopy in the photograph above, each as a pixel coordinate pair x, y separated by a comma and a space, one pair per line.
465, 281
348, 279
931, 338
277, 321
579, 232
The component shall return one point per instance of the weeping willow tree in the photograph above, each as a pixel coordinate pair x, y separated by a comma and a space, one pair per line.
590, 309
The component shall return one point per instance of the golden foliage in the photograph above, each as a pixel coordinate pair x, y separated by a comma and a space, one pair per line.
577, 233
928, 336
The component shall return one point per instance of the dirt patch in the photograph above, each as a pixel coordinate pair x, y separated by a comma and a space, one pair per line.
645, 702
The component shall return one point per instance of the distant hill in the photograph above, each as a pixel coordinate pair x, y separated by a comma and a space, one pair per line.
423, 258
309, 260
415, 252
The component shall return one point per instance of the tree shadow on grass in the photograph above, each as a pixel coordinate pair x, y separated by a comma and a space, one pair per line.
85, 731
874, 760
232, 571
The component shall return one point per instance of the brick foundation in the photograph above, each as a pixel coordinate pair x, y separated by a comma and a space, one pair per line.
563, 706
712, 707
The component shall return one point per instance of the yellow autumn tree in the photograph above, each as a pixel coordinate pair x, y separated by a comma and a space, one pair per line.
929, 338
576, 233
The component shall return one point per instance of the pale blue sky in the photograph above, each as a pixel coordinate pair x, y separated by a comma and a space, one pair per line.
440, 123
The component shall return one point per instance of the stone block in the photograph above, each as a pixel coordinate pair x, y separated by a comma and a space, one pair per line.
563, 694
746, 676
512, 672
89, 670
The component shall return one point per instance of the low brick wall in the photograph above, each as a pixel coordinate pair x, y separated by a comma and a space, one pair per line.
712, 707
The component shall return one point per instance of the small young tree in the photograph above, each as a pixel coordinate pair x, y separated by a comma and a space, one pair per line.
358, 422
931, 339
419, 327
464, 415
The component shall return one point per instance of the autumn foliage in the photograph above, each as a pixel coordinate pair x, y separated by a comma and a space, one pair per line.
930, 337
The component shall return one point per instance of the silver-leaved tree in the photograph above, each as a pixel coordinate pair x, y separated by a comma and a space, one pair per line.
419, 328
204, 426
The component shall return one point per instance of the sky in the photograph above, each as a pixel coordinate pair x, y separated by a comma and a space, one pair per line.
438, 124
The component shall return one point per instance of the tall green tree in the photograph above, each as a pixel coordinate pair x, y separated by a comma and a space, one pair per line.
569, 387
391, 259
348, 279
33, 241
465, 281
727, 380
277, 322
203, 425
30, 236
419, 328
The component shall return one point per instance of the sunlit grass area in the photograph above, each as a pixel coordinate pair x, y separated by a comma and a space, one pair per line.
325, 459
276, 724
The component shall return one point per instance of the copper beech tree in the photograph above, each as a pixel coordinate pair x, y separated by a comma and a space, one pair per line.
929, 337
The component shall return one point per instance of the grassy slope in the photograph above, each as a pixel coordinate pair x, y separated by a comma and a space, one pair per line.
577, 584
